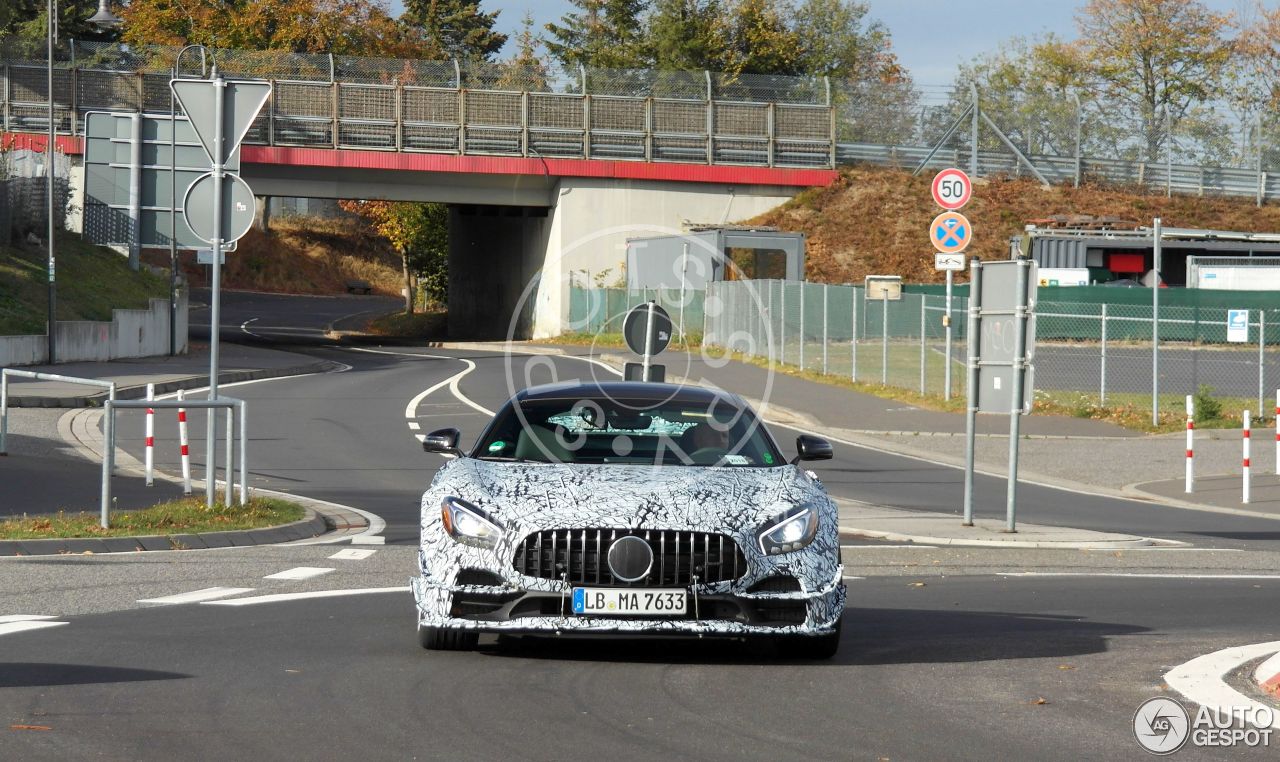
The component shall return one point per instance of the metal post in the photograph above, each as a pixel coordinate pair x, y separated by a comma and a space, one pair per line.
4, 412
973, 136
1245, 471
1079, 129
1102, 381
108, 441
946, 325
1015, 408
211, 457
1277, 424
782, 321
853, 338
803, 337
684, 269
244, 457
150, 434
824, 328
971, 392
884, 338
229, 470
135, 191
1262, 345
648, 341
923, 297
184, 446
1155, 326
1191, 427
49, 151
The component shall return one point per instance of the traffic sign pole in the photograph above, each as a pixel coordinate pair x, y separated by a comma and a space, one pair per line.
1015, 407
648, 339
210, 457
971, 414
946, 324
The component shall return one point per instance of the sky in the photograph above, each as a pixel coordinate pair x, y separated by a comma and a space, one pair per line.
930, 36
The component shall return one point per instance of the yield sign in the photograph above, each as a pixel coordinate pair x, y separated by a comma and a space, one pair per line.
199, 98
950, 232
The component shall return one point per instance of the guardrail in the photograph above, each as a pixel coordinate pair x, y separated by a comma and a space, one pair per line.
396, 116
5, 373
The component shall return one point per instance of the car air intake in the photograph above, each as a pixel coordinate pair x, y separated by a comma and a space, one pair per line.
581, 556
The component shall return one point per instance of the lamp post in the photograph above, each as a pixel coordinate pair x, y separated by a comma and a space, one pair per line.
105, 19
173, 195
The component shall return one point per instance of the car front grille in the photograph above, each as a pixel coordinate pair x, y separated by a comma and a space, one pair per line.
580, 556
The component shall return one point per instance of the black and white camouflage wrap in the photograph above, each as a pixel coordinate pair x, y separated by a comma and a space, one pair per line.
529, 497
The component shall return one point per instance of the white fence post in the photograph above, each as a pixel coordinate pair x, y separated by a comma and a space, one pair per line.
1245, 440
1102, 382
1191, 426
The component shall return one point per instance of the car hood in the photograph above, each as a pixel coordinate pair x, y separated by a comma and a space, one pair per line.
542, 495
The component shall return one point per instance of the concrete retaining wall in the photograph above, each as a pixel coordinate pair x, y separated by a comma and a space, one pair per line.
131, 333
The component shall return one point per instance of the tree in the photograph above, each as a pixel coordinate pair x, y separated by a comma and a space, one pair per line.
760, 40
26, 19
526, 70
837, 39
602, 33
420, 235
453, 29
687, 34
1159, 58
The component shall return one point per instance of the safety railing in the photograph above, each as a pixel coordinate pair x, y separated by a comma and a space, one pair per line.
398, 116
7, 373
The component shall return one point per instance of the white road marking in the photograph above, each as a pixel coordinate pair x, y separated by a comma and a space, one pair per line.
25, 618
280, 597
245, 327
368, 539
353, 554
850, 576
1201, 679
1138, 575
195, 596
14, 627
876, 547
300, 572
414, 426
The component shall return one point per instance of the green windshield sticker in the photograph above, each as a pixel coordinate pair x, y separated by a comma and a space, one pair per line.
768, 458
497, 446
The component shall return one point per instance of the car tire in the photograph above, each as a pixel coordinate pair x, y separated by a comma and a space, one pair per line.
447, 639
810, 648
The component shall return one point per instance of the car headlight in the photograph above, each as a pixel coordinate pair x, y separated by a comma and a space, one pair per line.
469, 524
791, 530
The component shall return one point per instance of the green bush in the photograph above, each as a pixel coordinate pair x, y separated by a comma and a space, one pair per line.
1206, 407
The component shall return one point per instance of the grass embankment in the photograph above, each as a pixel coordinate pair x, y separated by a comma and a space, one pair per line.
420, 325
305, 255
185, 516
873, 221
1131, 410
91, 282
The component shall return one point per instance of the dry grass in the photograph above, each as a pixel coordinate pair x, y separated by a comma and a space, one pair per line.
184, 516
307, 256
875, 221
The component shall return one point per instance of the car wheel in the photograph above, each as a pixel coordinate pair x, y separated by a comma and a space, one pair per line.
447, 639
810, 648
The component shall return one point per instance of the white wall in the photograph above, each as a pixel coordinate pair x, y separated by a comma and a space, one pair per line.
593, 218
131, 333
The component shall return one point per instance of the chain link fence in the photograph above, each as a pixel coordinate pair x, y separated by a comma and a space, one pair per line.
600, 311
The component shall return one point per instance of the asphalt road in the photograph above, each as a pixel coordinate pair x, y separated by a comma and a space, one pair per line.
943, 656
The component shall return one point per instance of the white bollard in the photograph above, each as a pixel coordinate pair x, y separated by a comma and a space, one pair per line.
1191, 427
184, 448
151, 436
1246, 457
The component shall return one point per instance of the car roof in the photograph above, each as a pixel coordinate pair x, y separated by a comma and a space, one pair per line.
636, 390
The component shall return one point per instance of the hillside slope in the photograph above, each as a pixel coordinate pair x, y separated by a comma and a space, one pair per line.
875, 221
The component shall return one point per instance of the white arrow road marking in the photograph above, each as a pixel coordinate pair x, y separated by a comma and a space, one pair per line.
300, 572
9, 628
1200, 679
280, 597
195, 596
353, 554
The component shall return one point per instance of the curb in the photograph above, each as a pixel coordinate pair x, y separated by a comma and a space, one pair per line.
870, 534
315, 524
1267, 675
138, 391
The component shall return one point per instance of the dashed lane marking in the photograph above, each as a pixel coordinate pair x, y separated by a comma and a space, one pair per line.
353, 554
300, 572
196, 596
281, 597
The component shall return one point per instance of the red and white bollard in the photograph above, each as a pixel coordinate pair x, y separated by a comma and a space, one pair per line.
1246, 457
151, 435
185, 449
1191, 427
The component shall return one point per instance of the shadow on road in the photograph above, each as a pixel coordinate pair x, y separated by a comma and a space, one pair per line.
36, 675
870, 637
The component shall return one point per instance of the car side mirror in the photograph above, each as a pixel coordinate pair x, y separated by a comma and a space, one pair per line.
443, 441
809, 447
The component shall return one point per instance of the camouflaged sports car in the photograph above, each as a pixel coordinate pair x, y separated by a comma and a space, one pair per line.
628, 508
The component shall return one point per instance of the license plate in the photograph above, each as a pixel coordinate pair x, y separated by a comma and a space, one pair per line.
600, 601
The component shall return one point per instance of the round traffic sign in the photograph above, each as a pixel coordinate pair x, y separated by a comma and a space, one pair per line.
950, 232
237, 208
952, 189
637, 320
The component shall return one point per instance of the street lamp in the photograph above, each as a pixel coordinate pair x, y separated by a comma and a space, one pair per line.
105, 19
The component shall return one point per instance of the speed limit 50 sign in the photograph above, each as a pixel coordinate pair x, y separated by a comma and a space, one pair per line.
952, 189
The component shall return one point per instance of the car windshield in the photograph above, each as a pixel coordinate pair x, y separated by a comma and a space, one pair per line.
641, 432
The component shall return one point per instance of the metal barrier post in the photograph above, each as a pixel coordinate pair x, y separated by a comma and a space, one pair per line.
946, 325
150, 434
782, 321
1262, 345
1102, 383
825, 320
230, 471
803, 338
884, 339
971, 390
923, 297
1245, 471
108, 430
1191, 427
4, 412
244, 457
184, 446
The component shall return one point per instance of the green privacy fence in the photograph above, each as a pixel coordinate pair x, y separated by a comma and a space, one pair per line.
602, 310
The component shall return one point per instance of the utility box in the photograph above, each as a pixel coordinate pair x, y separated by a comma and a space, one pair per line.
710, 254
